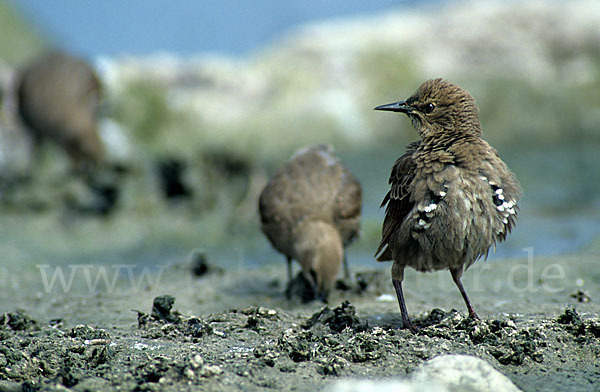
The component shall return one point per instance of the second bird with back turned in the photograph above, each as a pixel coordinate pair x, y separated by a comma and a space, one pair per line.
451, 196
310, 210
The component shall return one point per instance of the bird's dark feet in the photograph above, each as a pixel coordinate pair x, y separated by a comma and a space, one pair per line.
410, 326
405, 320
473, 315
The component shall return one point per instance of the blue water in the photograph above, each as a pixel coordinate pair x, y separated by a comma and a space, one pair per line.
185, 27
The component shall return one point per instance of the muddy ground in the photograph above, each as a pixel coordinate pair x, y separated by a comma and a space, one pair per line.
234, 329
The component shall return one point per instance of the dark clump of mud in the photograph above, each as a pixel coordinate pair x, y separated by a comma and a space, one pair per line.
337, 319
256, 347
201, 265
161, 309
18, 321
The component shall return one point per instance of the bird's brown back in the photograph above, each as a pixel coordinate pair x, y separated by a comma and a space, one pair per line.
312, 186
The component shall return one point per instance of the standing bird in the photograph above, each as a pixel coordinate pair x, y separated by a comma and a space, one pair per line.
58, 99
310, 210
451, 195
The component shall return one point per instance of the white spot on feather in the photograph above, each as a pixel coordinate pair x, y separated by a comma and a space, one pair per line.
442, 193
430, 207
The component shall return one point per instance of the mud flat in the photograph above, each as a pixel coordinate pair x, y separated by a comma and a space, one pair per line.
234, 330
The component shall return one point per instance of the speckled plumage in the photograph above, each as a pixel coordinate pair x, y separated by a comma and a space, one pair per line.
451, 196
58, 100
310, 210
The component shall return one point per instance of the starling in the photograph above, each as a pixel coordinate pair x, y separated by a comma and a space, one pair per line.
58, 100
451, 196
310, 210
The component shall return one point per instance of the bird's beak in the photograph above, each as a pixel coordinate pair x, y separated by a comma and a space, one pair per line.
401, 107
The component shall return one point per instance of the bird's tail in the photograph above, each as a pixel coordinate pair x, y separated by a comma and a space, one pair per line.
384, 253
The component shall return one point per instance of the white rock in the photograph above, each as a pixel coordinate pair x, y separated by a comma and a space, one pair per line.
463, 373
446, 373
197, 361
384, 386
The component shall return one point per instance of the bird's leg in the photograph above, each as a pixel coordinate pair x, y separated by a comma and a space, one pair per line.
406, 323
346, 269
397, 277
456, 275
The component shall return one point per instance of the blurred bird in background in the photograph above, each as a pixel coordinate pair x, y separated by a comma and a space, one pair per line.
58, 100
310, 211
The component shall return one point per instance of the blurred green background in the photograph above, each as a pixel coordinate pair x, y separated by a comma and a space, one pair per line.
533, 68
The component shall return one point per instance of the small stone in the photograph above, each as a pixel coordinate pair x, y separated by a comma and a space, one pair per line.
198, 328
96, 342
211, 370
266, 312
196, 361
189, 373
250, 310
581, 296
86, 332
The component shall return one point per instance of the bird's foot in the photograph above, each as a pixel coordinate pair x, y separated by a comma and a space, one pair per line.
407, 324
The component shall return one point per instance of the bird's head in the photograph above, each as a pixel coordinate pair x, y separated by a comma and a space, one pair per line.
320, 251
439, 106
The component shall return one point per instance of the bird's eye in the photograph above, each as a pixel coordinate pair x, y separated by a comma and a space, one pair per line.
428, 108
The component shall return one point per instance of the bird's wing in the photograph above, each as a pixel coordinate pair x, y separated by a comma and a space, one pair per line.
505, 191
397, 200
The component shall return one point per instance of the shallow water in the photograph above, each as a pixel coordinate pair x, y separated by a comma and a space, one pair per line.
559, 214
